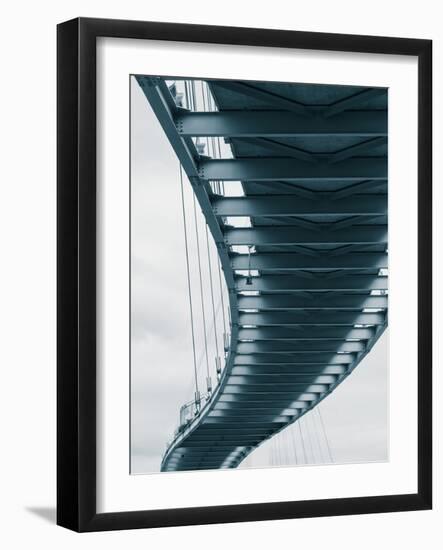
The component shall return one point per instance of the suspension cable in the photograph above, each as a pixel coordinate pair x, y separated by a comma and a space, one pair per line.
286, 446
221, 295
207, 104
215, 140
205, 88
317, 439
220, 156
188, 104
208, 95
201, 287
189, 280
294, 444
308, 431
302, 442
204, 109
324, 433
212, 292
202, 354
194, 95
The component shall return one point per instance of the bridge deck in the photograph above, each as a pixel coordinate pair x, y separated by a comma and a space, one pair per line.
312, 162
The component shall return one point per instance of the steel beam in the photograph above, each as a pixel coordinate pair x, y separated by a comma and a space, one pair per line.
224, 437
277, 302
270, 418
282, 149
354, 100
253, 378
359, 149
334, 318
248, 416
167, 468
291, 370
228, 424
196, 447
254, 386
276, 186
288, 205
282, 379
280, 391
332, 346
189, 451
287, 187
222, 433
306, 333
259, 407
233, 439
265, 399
281, 124
250, 90
209, 453
289, 235
272, 168
296, 261
360, 187
295, 283
298, 360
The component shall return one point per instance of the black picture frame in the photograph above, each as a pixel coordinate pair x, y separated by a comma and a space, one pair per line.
76, 279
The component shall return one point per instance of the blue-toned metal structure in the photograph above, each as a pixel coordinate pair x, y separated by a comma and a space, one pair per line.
312, 161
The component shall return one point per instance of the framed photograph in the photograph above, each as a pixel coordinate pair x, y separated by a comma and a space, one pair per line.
244, 274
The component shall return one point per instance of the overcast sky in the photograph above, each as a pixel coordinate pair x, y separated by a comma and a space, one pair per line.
162, 379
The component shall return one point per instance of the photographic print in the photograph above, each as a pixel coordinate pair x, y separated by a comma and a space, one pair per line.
239, 212
259, 274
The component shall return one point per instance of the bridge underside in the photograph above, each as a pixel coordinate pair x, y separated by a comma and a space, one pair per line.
309, 300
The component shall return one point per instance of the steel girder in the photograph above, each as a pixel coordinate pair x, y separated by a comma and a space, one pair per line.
279, 261
295, 301
290, 235
272, 168
280, 124
283, 205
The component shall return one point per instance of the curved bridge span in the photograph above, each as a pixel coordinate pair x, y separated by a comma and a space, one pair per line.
308, 299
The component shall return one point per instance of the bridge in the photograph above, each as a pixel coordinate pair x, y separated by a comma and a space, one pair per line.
306, 266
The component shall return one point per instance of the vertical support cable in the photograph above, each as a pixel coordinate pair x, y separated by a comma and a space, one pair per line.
188, 105
308, 431
302, 443
197, 393
317, 439
324, 433
212, 108
249, 277
209, 102
201, 290
194, 95
204, 109
221, 296
294, 444
212, 291
284, 436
